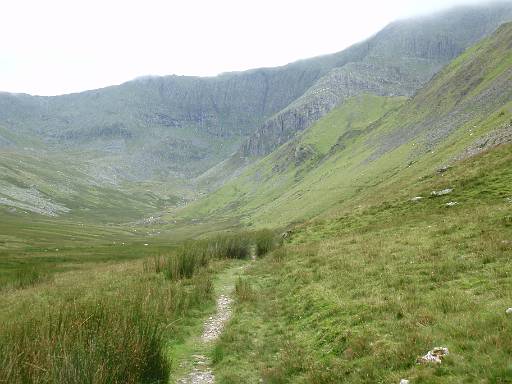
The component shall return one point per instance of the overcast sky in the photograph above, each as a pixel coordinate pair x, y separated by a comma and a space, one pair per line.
59, 46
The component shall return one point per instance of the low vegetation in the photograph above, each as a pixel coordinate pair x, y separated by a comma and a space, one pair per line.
244, 290
387, 272
109, 324
265, 241
358, 298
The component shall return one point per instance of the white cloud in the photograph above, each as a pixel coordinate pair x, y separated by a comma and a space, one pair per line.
55, 46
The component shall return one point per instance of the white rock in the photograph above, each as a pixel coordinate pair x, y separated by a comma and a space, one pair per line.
417, 198
436, 355
442, 192
451, 203
509, 311
404, 381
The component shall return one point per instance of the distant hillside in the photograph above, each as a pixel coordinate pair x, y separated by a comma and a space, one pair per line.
177, 127
56, 185
159, 126
169, 140
360, 150
395, 62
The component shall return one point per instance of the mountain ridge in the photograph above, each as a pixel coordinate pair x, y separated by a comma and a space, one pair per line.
183, 136
336, 160
444, 45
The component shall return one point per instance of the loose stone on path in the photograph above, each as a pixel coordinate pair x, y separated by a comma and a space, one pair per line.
202, 373
215, 324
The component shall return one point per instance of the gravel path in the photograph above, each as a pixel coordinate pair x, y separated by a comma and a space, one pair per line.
215, 324
200, 372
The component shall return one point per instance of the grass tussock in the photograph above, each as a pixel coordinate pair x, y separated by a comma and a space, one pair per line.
192, 256
114, 332
244, 291
280, 254
265, 241
25, 278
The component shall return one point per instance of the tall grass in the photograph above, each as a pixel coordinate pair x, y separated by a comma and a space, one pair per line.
114, 332
186, 261
114, 336
244, 290
24, 278
236, 246
194, 255
265, 241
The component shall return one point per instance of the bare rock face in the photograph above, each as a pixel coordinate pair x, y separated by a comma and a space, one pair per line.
30, 199
330, 91
497, 137
4, 142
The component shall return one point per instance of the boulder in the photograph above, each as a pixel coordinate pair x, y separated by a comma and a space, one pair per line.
442, 192
443, 169
435, 356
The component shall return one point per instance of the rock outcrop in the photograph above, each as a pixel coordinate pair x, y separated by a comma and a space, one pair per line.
397, 61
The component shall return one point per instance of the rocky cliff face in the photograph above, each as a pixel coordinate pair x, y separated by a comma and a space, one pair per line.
397, 61
157, 125
180, 126
330, 91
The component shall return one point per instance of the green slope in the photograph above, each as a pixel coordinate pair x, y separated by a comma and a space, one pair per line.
358, 298
177, 127
371, 147
57, 185
289, 166
397, 61
359, 294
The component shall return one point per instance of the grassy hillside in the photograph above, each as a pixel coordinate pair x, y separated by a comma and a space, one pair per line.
58, 184
397, 61
373, 270
359, 297
361, 150
362, 292
128, 152
268, 179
